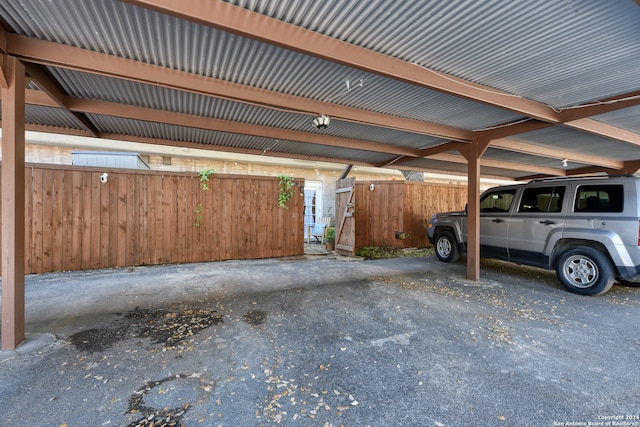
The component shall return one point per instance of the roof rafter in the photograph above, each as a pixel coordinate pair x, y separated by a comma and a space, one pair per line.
4, 83
194, 145
57, 95
537, 150
208, 123
602, 106
603, 129
582, 124
57, 55
246, 23
500, 164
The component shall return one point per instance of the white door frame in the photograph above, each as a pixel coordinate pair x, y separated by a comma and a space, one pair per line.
317, 186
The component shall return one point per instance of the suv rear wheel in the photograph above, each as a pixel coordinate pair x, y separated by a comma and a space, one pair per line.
586, 271
446, 246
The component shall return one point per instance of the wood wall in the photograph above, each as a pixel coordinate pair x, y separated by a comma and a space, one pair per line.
402, 206
75, 222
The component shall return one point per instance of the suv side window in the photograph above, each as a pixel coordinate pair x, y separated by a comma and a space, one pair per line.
599, 198
498, 201
542, 199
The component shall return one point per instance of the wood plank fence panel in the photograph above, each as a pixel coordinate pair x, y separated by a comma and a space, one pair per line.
158, 229
76, 225
85, 221
36, 220
67, 220
75, 222
58, 218
401, 206
47, 220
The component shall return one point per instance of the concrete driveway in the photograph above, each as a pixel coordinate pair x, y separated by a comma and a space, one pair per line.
321, 341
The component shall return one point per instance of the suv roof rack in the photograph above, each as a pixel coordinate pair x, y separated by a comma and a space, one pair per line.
558, 178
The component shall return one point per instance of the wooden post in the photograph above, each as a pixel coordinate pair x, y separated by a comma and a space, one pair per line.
13, 196
473, 219
473, 153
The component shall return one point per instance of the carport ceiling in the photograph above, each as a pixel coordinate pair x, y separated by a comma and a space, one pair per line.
407, 84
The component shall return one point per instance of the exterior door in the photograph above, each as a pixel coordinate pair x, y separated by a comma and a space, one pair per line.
312, 204
345, 224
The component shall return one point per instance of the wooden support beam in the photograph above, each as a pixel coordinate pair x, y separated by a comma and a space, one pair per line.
631, 167
602, 129
473, 152
3, 49
13, 209
345, 171
73, 58
602, 106
554, 153
443, 148
4, 84
246, 23
181, 119
55, 92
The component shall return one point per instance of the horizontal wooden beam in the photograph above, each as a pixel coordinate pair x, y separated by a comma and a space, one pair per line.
226, 149
180, 119
622, 101
522, 167
55, 92
553, 153
238, 20
63, 56
602, 129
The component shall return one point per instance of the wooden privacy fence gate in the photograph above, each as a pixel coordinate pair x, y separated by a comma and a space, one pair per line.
75, 222
390, 213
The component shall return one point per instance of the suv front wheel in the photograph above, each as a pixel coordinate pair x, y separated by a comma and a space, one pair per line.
586, 271
446, 246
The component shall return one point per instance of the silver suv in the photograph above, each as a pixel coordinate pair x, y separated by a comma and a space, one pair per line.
587, 229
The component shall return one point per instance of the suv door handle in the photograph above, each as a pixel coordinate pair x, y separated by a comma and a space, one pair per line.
547, 222
497, 220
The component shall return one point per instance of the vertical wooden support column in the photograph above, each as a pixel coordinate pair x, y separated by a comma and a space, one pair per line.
473, 153
473, 217
13, 210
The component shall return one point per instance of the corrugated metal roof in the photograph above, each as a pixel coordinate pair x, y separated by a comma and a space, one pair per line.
555, 52
99, 87
629, 119
527, 159
580, 142
128, 32
50, 117
236, 141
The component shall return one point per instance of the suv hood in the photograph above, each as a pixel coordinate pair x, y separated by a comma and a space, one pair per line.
446, 214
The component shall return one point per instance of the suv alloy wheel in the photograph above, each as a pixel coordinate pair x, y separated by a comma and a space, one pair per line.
446, 247
585, 271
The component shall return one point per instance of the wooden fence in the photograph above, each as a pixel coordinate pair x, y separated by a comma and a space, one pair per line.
401, 206
75, 222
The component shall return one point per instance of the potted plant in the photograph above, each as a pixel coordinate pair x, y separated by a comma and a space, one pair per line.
330, 239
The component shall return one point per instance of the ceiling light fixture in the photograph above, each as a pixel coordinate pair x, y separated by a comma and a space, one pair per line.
321, 122
564, 162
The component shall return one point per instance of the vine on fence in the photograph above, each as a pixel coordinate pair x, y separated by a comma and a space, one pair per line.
286, 185
204, 178
204, 184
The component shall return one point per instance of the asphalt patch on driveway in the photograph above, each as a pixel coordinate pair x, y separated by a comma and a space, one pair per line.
166, 328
